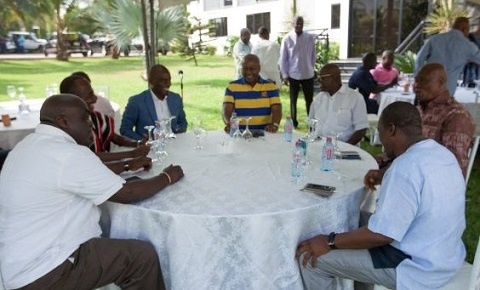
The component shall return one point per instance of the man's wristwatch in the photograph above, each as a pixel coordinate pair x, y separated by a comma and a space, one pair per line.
126, 167
275, 124
331, 241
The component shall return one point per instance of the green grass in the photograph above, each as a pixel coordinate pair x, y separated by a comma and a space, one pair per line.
204, 86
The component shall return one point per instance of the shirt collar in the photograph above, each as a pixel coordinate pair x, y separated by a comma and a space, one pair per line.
45, 129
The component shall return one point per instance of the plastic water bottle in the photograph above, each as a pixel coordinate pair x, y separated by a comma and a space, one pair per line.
328, 155
297, 161
288, 129
233, 124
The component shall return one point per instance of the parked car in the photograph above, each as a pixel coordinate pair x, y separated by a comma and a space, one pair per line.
75, 42
7, 45
30, 41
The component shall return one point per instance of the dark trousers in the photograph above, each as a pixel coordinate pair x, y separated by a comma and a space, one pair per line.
130, 264
307, 87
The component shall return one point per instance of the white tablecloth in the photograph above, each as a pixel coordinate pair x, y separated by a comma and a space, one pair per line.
234, 221
25, 124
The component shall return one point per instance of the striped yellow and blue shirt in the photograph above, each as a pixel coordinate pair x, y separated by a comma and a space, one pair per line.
253, 101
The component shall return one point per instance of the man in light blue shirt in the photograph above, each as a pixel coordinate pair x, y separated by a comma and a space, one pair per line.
414, 238
452, 49
297, 64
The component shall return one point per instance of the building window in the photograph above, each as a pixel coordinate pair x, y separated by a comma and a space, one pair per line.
218, 26
335, 16
227, 2
255, 21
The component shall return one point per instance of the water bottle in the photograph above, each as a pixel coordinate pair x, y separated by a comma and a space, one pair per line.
328, 155
288, 129
23, 108
234, 123
297, 161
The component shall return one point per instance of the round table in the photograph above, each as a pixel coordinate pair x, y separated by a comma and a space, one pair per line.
234, 221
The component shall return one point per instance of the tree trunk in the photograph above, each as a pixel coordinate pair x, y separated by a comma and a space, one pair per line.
62, 50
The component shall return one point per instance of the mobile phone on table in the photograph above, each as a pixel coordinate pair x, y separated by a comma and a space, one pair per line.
320, 189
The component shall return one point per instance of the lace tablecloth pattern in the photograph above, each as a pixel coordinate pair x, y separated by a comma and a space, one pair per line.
234, 221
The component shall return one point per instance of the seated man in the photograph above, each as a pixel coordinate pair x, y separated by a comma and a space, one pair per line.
444, 119
384, 73
50, 189
103, 130
337, 108
414, 238
363, 80
152, 105
252, 96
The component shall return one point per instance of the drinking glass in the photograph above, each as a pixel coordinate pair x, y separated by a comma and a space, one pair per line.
150, 137
247, 134
310, 137
168, 124
11, 91
160, 134
199, 133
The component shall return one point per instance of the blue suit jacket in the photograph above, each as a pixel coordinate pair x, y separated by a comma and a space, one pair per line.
140, 112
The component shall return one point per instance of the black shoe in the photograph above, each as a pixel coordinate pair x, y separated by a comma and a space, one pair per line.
295, 124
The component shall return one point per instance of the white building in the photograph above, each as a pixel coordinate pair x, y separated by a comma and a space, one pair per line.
232, 15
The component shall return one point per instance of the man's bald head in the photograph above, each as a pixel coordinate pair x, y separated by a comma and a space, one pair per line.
434, 71
70, 114
330, 79
431, 83
462, 24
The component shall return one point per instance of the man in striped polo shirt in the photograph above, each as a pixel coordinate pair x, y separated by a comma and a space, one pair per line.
252, 96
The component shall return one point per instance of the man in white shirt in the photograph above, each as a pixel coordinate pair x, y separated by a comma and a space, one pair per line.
269, 53
414, 238
338, 109
50, 188
297, 64
240, 50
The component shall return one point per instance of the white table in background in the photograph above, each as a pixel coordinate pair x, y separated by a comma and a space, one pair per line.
25, 124
234, 221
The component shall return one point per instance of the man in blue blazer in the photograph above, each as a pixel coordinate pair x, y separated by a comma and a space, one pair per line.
153, 104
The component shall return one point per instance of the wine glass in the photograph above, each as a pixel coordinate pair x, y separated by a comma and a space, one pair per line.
170, 134
247, 134
199, 133
150, 137
11, 91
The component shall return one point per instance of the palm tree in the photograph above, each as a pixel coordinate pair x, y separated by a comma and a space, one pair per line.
123, 19
443, 16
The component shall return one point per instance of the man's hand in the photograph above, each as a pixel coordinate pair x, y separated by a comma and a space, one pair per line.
285, 81
312, 249
372, 178
140, 162
227, 128
144, 139
175, 172
271, 128
140, 151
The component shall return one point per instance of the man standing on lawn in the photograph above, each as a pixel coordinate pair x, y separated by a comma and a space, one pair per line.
297, 64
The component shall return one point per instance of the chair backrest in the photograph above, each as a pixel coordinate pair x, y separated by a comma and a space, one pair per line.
475, 277
471, 157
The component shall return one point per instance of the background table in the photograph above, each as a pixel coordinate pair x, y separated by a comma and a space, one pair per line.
234, 221
25, 124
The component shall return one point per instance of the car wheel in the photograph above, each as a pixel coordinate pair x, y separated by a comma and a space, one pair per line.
85, 54
41, 48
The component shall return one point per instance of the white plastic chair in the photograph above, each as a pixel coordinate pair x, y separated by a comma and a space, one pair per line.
467, 278
372, 127
471, 157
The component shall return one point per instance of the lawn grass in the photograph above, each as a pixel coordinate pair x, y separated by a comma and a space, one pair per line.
204, 86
